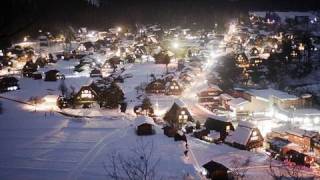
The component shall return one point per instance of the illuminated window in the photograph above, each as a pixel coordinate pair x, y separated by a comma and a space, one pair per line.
254, 133
227, 128
86, 94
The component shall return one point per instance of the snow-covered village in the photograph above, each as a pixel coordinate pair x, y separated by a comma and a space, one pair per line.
236, 99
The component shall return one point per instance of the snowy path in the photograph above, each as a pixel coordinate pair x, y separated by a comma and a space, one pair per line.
93, 153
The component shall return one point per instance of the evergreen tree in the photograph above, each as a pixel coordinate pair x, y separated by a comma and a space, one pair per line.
228, 71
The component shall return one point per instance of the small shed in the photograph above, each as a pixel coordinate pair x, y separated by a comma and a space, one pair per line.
9, 84
144, 125
220, 124
169, 131
216, 170
53, 75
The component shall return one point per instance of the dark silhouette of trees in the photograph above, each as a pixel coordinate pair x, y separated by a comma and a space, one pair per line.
228, 71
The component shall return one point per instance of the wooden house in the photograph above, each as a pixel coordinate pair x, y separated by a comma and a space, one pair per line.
29, 68
156, 87
8, 84
246, 136
224, 99
169, 131
315, 144
209, 97
53, 75
302, 137
220, 124
216, 170
95, 73
144, 125
178, 115
86, 96
173, 88
254, 51
37, 75
185, 78
242, 60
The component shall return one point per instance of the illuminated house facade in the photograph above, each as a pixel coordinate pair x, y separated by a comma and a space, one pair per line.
246, 136
86, 96
177, 115
173, 88
156, 87
8, 84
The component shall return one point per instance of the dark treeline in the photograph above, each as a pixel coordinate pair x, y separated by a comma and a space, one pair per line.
21, 16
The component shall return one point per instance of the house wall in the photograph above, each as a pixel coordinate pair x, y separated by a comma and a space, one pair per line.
255, 105
287, 103
304, 142
255, 140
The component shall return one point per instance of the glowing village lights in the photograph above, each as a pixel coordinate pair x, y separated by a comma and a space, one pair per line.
119, 29
25, 39
232, 29
175, 45
301, 47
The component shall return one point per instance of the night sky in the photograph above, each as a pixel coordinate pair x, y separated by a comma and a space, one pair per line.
19, 16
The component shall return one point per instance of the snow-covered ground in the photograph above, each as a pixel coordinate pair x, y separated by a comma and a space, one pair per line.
39, 146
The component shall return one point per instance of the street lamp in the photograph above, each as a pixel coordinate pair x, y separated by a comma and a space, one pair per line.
119, 29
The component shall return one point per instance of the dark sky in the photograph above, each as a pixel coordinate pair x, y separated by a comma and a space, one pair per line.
17, 16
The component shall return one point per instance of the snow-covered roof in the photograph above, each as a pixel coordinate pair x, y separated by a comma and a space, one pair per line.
220, 118
226, 96
240, 136
266, 94
302, 132
237, 102
180, 103
246, 124
144, 119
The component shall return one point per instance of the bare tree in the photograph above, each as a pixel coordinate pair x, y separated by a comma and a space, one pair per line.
139, 165
239, 169
283, 171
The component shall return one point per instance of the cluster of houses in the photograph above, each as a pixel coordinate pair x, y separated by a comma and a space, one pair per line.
266, 40
100, 92
241, 102
299, 145
175, 83
216, 129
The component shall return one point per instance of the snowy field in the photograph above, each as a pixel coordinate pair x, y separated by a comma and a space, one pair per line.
55, 147
41, 145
